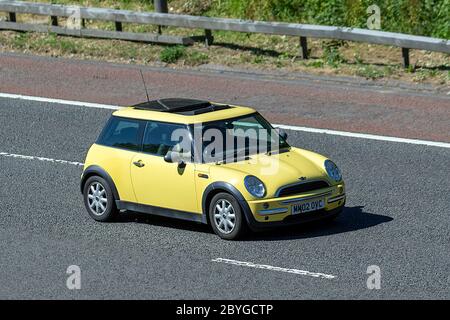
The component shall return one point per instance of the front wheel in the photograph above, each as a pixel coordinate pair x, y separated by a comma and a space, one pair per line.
226, 216
99, 199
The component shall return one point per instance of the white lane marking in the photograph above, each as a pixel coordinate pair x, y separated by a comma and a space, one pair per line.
21, 156
59, 101
272, 268
282, 126
364, 136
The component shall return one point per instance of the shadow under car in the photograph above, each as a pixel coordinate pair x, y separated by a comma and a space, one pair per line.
351, 219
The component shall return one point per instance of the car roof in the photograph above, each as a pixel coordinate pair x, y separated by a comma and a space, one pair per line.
179, 110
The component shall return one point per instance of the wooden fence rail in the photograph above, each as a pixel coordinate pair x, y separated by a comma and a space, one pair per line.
303, 31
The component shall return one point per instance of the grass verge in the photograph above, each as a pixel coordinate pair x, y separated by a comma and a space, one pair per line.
231, 49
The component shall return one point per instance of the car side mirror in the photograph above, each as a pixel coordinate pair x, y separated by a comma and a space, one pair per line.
173, 156
168, 157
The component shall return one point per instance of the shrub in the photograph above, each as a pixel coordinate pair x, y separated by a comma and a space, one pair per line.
172, 54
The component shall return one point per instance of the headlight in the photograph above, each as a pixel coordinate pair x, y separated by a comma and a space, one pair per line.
332, 170
254, 186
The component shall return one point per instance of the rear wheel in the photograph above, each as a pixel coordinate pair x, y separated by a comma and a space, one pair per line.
226, 216
99, 199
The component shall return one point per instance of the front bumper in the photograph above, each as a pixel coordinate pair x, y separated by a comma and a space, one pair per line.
292, 220
268, 213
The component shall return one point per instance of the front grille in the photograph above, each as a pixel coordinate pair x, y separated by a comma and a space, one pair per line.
301, 188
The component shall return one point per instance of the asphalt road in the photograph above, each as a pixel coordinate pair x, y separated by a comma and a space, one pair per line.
348, 104
396, 217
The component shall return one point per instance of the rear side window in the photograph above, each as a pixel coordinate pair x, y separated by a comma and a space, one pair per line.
163, 137
122, 133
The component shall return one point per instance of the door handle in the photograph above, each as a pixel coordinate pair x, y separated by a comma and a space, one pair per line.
139, 164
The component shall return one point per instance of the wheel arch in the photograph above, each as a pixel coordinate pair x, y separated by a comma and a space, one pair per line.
218, 187
99, 171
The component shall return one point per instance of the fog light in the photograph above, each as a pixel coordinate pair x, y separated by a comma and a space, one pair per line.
340, 189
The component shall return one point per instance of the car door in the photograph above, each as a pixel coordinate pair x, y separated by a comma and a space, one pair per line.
160, 183
117, 145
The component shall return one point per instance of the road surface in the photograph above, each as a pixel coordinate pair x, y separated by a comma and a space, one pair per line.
396, 216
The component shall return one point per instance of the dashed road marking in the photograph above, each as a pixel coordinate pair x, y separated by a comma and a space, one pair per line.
282, 126
21, 156
272, 268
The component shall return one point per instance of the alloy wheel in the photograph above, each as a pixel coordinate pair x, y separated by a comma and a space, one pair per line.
224, 216
97, 198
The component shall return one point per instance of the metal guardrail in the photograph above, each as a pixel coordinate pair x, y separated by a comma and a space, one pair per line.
304, 31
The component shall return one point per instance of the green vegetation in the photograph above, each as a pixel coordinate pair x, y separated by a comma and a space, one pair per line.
419, 17
369, 72
331, 53
315, 63
260, 51
172, 54
327, 57
117, 4
192, 57
51, 41
195, 58
21, 40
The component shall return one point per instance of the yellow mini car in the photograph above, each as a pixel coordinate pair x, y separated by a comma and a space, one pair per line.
207, 162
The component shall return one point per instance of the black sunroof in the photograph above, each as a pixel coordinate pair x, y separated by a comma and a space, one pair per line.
180, 106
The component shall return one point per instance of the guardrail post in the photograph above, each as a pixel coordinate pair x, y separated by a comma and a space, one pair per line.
405, 56
160, 7
54, 20
208, 38
303, 48
12, 17
118, 26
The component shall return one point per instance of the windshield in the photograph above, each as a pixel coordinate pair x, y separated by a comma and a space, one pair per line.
238, 138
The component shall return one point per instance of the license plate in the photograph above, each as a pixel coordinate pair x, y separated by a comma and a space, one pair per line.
307, 206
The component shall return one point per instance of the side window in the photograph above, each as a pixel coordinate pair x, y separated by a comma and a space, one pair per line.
163, 137
122, 133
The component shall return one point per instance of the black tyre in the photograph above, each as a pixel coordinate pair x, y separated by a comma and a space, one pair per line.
99, 199
226, 217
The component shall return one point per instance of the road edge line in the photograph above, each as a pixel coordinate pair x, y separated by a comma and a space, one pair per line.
281, 126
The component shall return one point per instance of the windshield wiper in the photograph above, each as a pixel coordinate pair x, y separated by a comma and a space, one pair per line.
280, 150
